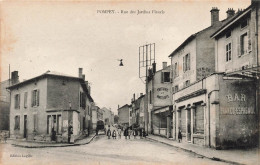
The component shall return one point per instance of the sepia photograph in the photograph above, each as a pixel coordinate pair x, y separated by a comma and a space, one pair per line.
118, 82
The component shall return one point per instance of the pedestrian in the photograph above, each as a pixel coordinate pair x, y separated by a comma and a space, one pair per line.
125, 133
135, 133
114, 134
179, 136
129, 133
108, 133
144, 134
119, 133
141, 133
70, 132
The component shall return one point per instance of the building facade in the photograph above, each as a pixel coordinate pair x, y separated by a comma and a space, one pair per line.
48, 104
95, 116
124, 115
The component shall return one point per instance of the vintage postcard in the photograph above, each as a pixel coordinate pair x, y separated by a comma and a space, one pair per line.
129, 82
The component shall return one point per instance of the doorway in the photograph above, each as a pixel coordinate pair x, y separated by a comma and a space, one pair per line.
25, 127
189, 125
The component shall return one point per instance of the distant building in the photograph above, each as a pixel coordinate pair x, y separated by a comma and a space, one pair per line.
5, 100
47, 104
124, 114
108, 116
95, 116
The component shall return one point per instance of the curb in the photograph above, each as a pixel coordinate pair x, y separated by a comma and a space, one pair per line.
200, 155
53, 146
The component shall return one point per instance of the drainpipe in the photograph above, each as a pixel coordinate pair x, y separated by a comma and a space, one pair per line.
209, 94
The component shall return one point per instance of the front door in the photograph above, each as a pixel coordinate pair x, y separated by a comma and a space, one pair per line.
25, 127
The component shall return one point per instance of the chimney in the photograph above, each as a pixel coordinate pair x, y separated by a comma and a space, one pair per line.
154, 68
164, 65
80, 72
14, 77
230, 12
83, 76
118, 106
214, 15
134, 96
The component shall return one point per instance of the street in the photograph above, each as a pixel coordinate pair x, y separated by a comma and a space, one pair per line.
102, 151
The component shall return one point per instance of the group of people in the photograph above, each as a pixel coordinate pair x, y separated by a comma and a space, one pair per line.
127, 132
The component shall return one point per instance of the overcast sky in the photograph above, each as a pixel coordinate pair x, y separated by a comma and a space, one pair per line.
63, 36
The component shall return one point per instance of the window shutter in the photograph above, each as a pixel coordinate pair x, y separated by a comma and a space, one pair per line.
38, 97
32, 99
238, 46
18, 101
188, 62
18, 122
249, 41
183, 67
161, 77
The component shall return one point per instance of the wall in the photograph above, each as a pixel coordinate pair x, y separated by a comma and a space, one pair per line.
238, 116
62, 91
123, 114
178, 57
237, 61
29, 111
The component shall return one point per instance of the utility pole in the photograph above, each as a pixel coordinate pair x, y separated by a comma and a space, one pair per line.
145, 60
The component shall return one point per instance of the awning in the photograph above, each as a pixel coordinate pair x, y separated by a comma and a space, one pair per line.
248, 73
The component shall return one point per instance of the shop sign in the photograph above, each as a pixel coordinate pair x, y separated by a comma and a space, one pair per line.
162, 93
237, 111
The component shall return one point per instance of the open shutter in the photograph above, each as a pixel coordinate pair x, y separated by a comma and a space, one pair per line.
38, 97
32, 98
249, 41
161, 77
238, 46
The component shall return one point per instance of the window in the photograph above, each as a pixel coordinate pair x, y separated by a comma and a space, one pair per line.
176, 88
165, 77
228, 34
25, 99
176, 70
35, 97
228, 52
186, 62
17, 101
244, 23
82, 100
243, 44
17, 123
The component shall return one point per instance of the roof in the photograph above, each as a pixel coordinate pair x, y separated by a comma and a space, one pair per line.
56, 74
232, 21
124, 106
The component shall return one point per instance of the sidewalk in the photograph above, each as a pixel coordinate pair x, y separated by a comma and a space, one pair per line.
233, 156
35, 144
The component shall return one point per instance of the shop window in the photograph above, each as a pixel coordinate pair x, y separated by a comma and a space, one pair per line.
199, 120
17, 101
35, 97
228, 52
165, 77
17, 123
186, 62
25, 99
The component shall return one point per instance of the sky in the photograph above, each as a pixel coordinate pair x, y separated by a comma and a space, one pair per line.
64, 36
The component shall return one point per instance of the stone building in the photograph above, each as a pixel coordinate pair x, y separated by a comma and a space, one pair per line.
124, 114
95, 116
160, 100
47, 104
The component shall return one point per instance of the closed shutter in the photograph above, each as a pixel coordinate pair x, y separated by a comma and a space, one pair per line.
32, 98
188, 61
183, 120
199, 119
162, 77
249, 41
38, 97
19, 101
238, 46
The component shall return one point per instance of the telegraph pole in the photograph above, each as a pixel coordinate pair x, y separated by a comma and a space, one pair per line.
145, 59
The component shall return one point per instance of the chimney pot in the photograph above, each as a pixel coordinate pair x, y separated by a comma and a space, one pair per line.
14, 77
230, 12
214, 15
83, 77
80, 72
164, 65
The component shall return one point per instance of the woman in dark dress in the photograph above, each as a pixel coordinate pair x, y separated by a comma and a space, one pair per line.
179, 136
